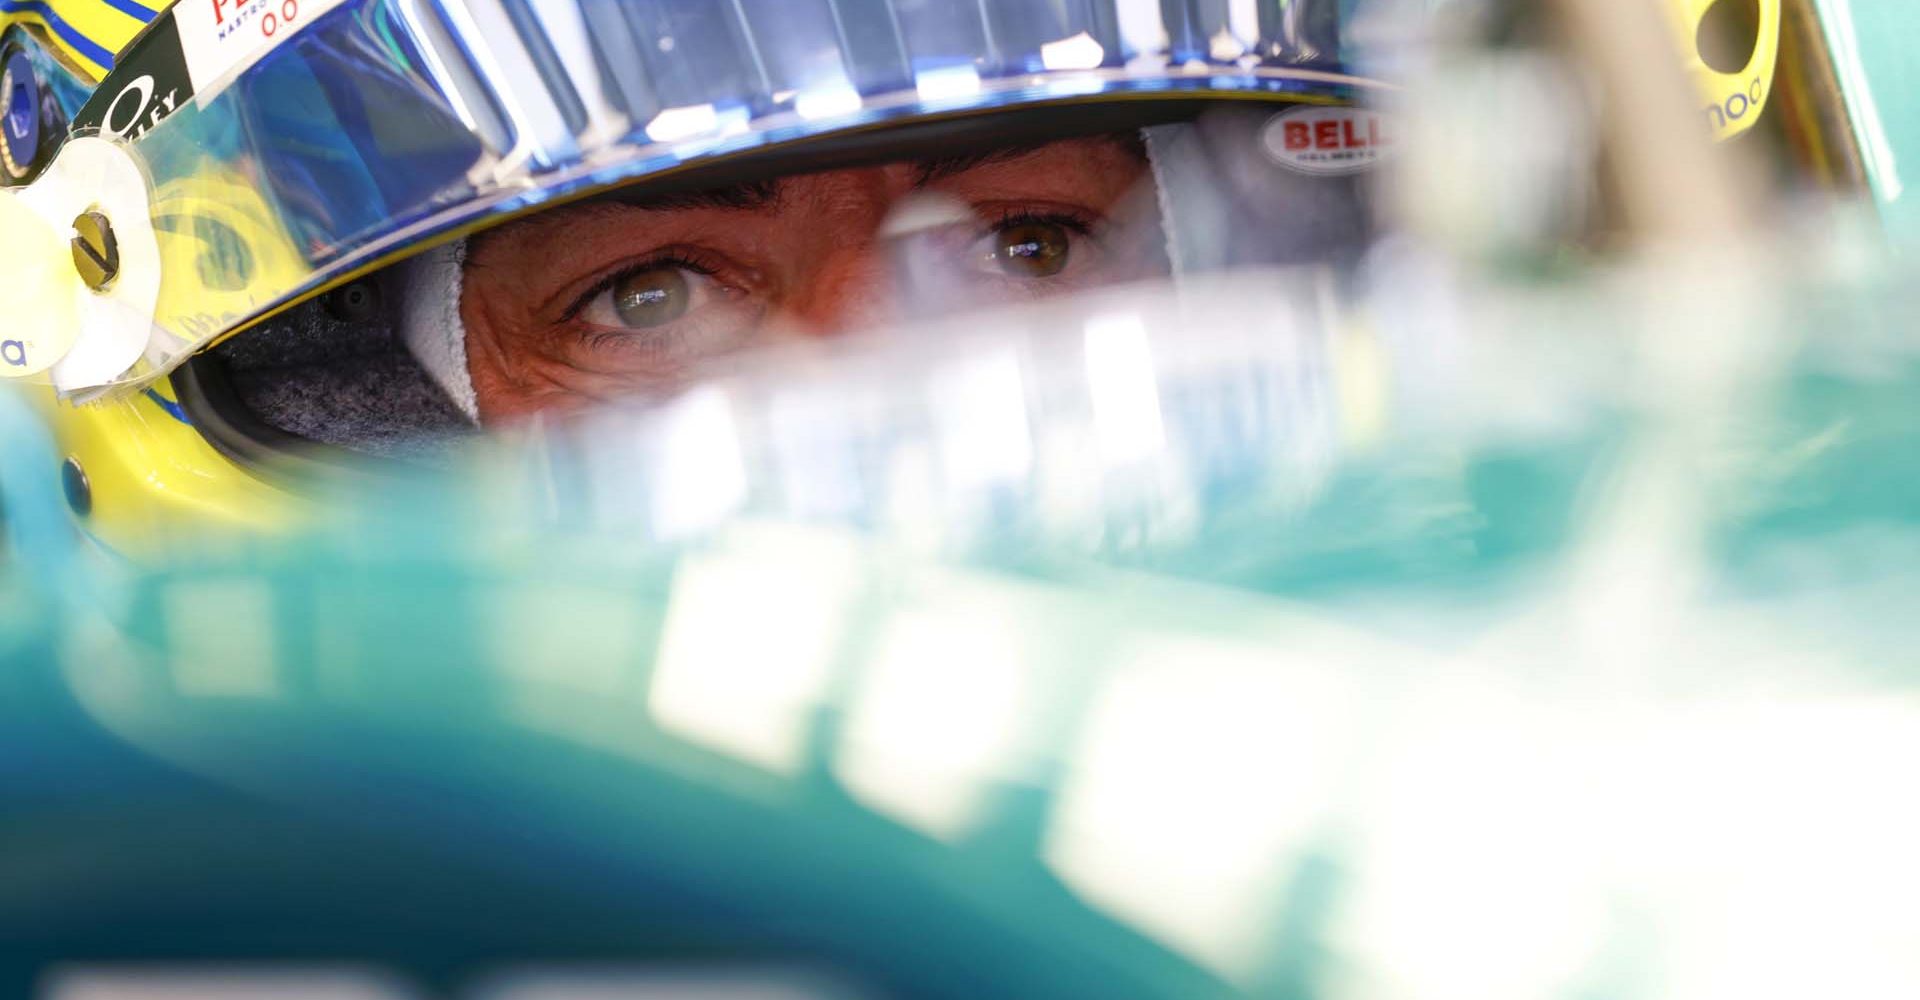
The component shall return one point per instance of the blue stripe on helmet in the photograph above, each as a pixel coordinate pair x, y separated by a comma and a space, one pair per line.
93, 50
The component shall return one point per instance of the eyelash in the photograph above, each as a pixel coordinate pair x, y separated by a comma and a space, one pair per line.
665, 258
1076, 224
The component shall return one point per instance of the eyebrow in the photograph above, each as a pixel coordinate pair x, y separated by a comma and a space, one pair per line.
936, 168
748, 196
761, 195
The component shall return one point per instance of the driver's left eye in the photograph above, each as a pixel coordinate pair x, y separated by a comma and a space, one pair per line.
652, 297
656, 295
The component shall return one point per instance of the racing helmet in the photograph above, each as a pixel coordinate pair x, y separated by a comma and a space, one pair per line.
255, 174
272, 202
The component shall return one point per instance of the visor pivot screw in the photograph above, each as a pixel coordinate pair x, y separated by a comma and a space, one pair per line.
73, 481
357, 302
96, 255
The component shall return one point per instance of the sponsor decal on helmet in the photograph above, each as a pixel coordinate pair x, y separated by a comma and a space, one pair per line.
1732, 48
150, 83
222, 37
85, 263
1727, 115
21, 114
42, 289
193, 50
1328, 141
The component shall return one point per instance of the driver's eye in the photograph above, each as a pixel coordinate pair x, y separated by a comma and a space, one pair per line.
653, 297
1031, 249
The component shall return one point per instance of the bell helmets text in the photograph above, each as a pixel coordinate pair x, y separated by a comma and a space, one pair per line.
1328, 140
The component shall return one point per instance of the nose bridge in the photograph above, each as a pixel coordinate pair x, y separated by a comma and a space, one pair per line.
846, 281
848, 287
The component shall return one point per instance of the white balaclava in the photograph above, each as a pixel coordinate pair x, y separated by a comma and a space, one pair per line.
430, 321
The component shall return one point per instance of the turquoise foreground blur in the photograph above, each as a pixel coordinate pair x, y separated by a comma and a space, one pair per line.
1606, 688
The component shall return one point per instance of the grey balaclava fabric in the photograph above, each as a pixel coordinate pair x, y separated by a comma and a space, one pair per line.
334, 375
1226, 202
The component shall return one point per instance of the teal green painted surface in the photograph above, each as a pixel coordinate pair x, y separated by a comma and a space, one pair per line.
1881, 44
443, 736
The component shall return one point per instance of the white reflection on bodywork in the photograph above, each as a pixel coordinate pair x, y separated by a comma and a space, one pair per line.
1121, 382
980, 417
1205, 768
701, 477
1744, 847
936, 721
749, 644
221, 638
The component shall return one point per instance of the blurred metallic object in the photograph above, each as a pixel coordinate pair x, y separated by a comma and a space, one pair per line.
1813, 107
1674, 183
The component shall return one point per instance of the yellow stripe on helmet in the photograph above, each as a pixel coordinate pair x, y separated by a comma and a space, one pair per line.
90, 34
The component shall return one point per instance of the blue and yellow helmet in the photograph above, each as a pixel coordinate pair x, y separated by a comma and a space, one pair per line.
219, 166
250, 156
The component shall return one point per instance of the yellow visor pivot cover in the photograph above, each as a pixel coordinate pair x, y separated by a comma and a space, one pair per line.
80, 249
1731, 47
44, 285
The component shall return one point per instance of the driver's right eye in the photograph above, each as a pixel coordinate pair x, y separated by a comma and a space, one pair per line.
1035, 249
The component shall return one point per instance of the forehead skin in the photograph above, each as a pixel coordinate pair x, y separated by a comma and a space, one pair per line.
806, 245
